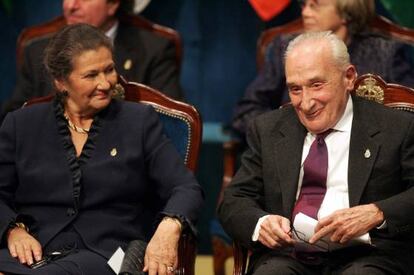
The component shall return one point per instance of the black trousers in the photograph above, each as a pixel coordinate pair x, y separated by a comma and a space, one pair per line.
80, 261
349, 261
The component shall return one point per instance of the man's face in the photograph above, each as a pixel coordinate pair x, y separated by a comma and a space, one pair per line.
321, 15
93, 12
318, 88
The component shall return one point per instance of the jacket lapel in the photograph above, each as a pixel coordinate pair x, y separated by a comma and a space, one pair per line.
288, 154
363, 151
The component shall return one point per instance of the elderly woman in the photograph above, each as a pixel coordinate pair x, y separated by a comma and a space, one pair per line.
349, 20
76, 174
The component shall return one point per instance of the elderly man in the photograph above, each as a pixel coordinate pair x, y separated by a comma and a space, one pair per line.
346, 162
349, 20
140, 55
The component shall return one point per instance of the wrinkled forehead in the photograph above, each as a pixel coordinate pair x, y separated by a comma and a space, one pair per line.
309, 60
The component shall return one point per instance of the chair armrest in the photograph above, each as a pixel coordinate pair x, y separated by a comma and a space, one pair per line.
187, 251
240, 255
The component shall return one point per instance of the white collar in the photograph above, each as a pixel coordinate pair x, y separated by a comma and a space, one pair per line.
345, 123
111, 33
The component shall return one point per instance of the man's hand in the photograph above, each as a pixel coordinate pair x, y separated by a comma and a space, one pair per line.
346, 224
275, 232
23, 246
161, 253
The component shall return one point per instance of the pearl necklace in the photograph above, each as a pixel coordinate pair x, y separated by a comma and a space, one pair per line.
75, 128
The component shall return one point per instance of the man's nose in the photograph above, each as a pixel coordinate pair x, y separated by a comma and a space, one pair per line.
307, 101
72, 4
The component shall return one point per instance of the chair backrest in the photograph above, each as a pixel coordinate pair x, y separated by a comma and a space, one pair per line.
182, 124
373, 87
379, 24
33, 33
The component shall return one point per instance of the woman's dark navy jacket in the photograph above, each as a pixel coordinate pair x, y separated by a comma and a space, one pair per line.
103, 194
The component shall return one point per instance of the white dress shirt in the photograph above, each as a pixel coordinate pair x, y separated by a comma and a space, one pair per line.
111, 33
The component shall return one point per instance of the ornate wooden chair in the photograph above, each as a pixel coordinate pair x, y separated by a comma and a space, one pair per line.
371, 87
231, 148
182, 124
32, 33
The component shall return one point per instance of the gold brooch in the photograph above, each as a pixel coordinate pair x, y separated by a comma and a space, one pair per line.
113, 152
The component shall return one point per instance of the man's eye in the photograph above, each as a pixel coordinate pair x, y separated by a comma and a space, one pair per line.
295, 89
316, 85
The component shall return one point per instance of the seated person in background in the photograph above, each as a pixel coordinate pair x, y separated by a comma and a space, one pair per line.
140, 56
344, 161
77, 172
348, 19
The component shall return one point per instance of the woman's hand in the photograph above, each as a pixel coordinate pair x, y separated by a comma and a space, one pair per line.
161, 253
23, 246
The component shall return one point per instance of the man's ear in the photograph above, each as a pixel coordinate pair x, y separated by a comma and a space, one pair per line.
350, 77
113, 6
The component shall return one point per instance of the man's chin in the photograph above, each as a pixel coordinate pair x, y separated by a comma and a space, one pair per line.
314, 126
72, 20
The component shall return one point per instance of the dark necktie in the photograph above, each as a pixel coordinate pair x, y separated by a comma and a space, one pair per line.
315, 169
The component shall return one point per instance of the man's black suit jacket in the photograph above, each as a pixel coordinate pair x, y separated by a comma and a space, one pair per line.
127, 165
139, 55
267, 181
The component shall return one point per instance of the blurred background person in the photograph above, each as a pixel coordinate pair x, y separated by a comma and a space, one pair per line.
140, 55
349, 20
75, 173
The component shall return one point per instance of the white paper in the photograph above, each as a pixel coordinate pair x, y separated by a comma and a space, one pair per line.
115, 261
305, 227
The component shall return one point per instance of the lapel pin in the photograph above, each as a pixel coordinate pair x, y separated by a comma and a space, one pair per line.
113, 152
367, 154
128, 64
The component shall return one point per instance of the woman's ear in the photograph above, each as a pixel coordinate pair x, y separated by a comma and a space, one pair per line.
59, 84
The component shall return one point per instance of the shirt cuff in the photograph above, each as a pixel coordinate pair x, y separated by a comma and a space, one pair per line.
255, 235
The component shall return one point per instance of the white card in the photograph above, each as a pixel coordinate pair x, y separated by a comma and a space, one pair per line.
115, 261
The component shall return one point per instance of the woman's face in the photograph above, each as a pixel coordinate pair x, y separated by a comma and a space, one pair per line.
91, 81
321, 15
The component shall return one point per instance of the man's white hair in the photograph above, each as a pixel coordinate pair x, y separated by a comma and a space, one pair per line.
339, 49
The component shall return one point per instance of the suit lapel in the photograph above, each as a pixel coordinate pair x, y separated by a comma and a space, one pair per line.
363, 151
288, 154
